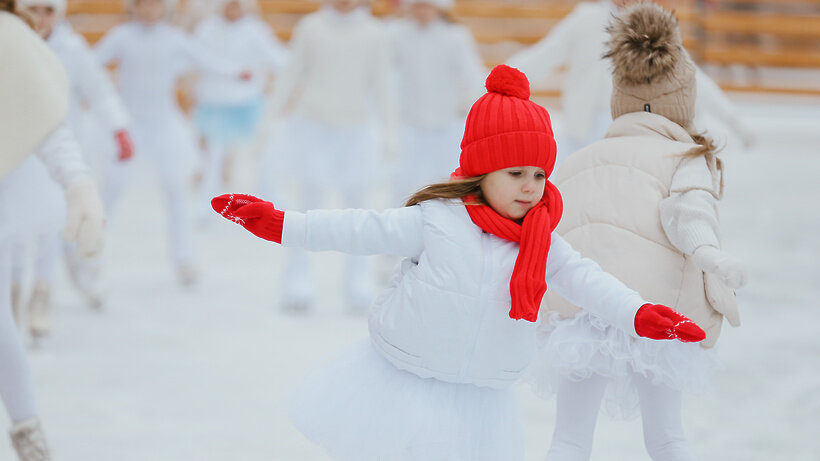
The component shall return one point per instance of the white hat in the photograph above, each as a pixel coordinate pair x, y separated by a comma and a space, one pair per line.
440, 4
170, 5
58, 5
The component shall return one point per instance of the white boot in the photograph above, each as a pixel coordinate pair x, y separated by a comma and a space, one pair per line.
39, 310
29, 441
16, 294
85, 276
188, 274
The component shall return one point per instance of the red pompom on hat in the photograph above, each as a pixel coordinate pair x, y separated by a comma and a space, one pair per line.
508, 81
505, 129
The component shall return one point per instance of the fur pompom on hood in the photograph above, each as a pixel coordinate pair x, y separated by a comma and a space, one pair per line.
644, 43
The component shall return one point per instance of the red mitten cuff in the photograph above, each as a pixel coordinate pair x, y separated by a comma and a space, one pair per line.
257, 216
656, 321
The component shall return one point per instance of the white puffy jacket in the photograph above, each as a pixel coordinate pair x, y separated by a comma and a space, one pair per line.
445, 314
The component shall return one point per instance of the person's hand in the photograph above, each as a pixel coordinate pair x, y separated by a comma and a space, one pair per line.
656, 321
126, 147
729, 269
256, 215
245, 75
85, 218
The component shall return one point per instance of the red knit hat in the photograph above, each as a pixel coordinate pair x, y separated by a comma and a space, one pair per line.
505, 129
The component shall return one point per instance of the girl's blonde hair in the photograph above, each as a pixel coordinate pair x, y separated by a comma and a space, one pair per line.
455, 188
706, 147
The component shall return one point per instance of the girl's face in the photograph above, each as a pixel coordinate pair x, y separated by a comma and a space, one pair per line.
149, 11
345, 6
233, 11
423, 12
512, 192
44, 19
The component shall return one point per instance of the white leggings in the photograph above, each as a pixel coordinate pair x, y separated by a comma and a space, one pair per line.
46, 253
577, 411
16, 387
297, 276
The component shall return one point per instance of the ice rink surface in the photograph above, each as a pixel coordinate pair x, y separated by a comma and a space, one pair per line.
171, 374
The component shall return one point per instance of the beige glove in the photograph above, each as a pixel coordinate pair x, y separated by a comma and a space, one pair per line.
729, 269
85, 218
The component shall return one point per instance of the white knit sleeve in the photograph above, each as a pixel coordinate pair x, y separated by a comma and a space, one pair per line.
62, 156
97, 90
288, 82
539, 61
582, 282
689, 215
396, 231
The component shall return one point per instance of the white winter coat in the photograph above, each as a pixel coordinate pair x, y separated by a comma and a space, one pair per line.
438, 70
90, 85
445, 314
150, 60
338, 71
249, 44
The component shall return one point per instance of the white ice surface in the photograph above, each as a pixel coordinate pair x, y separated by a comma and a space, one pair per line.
169, 374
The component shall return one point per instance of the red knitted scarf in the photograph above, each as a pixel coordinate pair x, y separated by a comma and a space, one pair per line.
529, 282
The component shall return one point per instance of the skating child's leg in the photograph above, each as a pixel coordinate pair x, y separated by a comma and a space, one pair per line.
578, 403
662, 421
212, 168
356, 278
16, 387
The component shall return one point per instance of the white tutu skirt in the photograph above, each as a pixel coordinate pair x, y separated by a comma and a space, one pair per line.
31, 203
362, 408
582, 346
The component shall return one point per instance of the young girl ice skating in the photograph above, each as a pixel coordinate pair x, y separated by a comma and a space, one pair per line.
643, 203
335, 101
34, 95
439, 74
151, 55
95, 111
228, 110
456, 327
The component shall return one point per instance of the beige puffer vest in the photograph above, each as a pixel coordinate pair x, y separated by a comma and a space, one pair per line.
612, 191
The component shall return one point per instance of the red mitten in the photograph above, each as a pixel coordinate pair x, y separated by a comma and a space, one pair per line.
656, 321
257, 216
125, 145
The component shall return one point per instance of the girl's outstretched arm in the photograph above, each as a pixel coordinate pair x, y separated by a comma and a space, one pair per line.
582, 282
395, 231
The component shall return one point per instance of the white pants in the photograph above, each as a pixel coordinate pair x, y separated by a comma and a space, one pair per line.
577, 411
169, 144
45, 254
297, 286
16, 387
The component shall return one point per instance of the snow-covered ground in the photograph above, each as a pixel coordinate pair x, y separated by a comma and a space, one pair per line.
172, 374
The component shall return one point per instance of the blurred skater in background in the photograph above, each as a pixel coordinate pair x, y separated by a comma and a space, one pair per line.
150, 56
440, 74
33, 139
100, 123
578, 42
228, 110
335, 113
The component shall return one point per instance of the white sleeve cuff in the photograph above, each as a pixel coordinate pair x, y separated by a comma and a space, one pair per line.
294, 229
